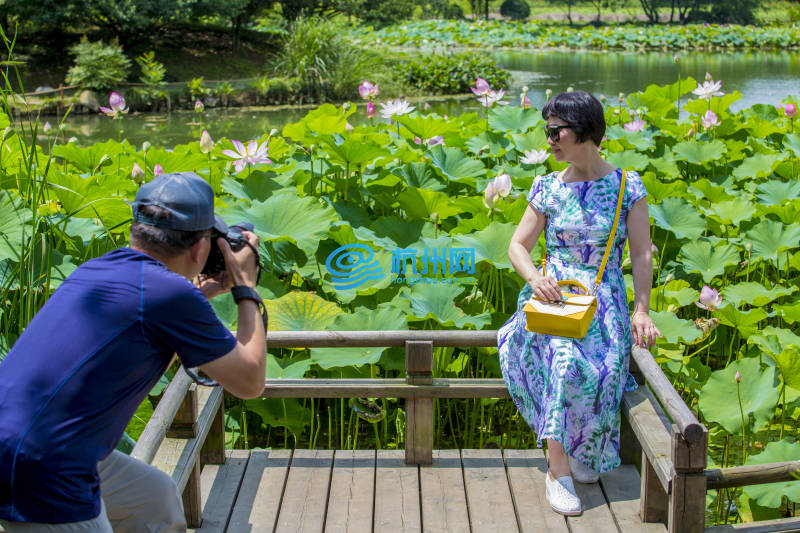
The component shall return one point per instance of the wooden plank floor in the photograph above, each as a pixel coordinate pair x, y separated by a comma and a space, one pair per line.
363, 491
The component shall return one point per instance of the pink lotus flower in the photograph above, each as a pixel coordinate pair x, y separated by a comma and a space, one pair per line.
348, 127
198, 106
206, 142
47, 127
493, 97
524, 101
709, 89
534, 157
426, 106
371, 113
502, 184
710, 120
367, 90
433, 141
635, 125
396, 108
481, 87
251, 155
790, 110
137, 174
710, 299
157, 170
117, 106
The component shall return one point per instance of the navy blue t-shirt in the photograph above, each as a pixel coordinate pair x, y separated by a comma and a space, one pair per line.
76, 375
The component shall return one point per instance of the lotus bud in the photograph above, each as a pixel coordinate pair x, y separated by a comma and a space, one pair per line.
104, 161
434, 217
490, 197
47, 127
417, 140
502, 184
348, 127
570, 89
669, 278
72, 140
708, 76
676, 58
790, 110
273, 132
198, 106
425, 106
738, 377
621, 97
157, 170
146, 146
525, 89
206, 142
654, 249
548, 93
345, 106
748, 246
601, 97
137, 174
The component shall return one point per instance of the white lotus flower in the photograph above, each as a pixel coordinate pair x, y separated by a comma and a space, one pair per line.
709, 89
396, 108
535, 157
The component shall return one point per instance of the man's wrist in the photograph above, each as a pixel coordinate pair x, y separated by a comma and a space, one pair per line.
245, 292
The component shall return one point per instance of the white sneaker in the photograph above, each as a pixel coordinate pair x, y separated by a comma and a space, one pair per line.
561, 495
583, 473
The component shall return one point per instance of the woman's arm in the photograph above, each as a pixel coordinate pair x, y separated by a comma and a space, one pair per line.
519, 252
638, 222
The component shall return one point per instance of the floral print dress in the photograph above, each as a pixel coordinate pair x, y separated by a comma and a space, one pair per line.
568, 389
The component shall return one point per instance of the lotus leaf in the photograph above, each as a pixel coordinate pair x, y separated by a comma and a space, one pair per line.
792, 142
754, 294
456, 166
532, 140
745, 321
513, 118
675, 329
717, 104
789, 312
285, 217
699, 152
437, 301
426, 126
777, 192
719, 399
704, 189
86, 159
488, 143
732, 211
679, 217
300, 311
770, 238
279, 412
769, 494
707, 259
680, 292
354, 151
490, 244
385, 317
657, 190
421, 203
403, 232
13, 219
757, 166
327, 119
257, 186
629, 160
294, 368
420, 175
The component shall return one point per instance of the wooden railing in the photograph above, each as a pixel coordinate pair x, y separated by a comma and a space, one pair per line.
659, 432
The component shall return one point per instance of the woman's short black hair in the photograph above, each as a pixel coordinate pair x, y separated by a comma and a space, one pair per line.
580, 110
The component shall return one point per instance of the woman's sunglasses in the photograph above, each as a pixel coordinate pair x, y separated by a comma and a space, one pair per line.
554, 132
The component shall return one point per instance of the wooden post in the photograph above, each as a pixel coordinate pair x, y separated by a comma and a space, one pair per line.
419, 411
687, 498
213, 451
630, 450
192, 504
184, 425
653, 498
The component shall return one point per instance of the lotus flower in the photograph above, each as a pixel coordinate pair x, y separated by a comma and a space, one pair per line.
708, 89
348, 127
710, 120
137, 174
502, 184
493, 97
426, 106
367, 90
481, 87
117, 106
490, 196
396, 108
710, 299
676, 58
524, 101
157, 170
371, 113
198, 106
790, 110
250, 155
535, 157
206, 142
433, 141
47, 127
635, 125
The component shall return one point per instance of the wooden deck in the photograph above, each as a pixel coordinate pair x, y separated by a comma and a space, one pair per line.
363, 491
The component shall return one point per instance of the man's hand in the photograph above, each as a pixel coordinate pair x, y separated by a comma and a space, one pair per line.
213, 286
242, 267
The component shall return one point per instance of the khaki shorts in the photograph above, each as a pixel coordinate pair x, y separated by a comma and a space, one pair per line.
137, 498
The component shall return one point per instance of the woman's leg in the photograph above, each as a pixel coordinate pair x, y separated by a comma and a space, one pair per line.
559, 460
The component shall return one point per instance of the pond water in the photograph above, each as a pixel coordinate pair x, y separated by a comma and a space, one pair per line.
761, 77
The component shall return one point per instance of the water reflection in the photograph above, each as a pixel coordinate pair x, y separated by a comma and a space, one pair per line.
761, 77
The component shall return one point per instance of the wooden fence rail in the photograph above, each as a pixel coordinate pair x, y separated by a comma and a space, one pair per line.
659, 431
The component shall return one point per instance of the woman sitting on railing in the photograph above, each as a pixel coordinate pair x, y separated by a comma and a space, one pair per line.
569, 389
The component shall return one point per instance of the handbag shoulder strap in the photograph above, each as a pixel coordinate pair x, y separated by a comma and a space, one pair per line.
613, 233
610, 243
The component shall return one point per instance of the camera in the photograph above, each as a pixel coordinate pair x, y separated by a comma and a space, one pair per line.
233, 234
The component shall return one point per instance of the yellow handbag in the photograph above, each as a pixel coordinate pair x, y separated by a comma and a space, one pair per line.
571, 316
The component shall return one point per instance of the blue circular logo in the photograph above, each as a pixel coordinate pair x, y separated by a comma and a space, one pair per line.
352, 265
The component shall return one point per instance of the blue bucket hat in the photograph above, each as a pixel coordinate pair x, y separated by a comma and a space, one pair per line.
186, 196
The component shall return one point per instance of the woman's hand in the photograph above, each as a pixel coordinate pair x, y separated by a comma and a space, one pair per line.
644, 331
546, 288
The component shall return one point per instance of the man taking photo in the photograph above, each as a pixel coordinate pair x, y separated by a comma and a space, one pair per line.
90, 356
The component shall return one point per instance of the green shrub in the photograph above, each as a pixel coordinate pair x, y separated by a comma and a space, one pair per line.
98, 65
277, 89
152, 77
453, 73
319, 53
515, 9
197, 88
